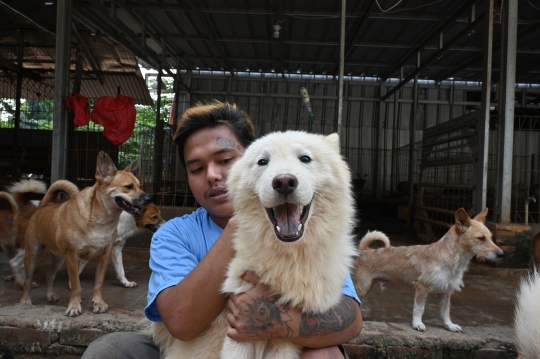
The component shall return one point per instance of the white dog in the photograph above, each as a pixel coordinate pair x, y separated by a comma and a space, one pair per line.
527, 317
292, 197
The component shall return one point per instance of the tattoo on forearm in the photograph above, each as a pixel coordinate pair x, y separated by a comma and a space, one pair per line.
267, 319
335, 320
227, 143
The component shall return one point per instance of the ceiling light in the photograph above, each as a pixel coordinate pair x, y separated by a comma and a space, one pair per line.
276, 31
49, 3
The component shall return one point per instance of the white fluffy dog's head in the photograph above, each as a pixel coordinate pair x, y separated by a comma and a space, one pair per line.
293, 179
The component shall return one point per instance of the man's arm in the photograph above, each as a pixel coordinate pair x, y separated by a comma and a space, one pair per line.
254, 316
191, 305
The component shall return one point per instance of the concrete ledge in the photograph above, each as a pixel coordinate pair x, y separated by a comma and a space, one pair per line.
46, 332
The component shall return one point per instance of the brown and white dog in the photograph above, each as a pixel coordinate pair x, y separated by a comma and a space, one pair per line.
127, 226
24, 197
527, 317
438, 267
83, 227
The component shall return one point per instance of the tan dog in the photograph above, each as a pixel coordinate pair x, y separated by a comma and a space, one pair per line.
127, 226
83, 227
27, 195
535, 249
437, 267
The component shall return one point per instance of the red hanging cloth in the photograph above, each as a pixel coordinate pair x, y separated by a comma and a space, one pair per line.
117, 116
79, 104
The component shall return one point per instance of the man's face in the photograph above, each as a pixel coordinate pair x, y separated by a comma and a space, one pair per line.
209, 154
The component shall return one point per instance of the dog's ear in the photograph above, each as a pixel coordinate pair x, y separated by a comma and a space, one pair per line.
480, 217
104, 166
134, 167
463, 221
333, 141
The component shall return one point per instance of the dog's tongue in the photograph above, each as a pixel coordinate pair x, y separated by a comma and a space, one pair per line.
287, 218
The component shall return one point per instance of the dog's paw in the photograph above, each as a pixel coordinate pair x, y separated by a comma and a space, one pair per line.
419, 326
25, 301
453, 328
74, 310
9, 277
128, 284
52, 297
100, 306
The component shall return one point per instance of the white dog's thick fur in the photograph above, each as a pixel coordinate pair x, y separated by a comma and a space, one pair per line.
308, 268
438, 267
527, 317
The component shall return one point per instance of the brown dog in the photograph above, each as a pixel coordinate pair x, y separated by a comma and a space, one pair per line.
83, 227
438, 267
535, 250
127, 226
27, 195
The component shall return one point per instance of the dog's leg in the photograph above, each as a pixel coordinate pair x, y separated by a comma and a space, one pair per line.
444, 307
17, 268
57, 263
242, 350
116, 257
82, 264
419, 304
74, 307
101, 268
33, 249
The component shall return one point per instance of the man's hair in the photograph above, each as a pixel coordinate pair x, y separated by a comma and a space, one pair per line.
212, 115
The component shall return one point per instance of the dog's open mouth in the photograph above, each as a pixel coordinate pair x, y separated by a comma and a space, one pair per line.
151, 227
288, 220
128, 207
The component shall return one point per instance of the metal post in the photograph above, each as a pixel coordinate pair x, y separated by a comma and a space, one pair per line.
506, 105
341, 64
483, 118
377, 148
61, 89
16, 151
412, 130
158, 141
395, 131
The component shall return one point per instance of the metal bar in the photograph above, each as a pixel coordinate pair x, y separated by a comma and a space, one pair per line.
412, 130
433, 221
341, 65
18, 93
431, 37
447, 185
88, 54
435, 209
395, 131
158, 141
436, 56
281, 41
61, 89
483, 119
10, 66
359, 29
503, 198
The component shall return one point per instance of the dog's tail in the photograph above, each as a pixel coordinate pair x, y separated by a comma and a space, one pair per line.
527, 317
57, 187
8, 203
371, 237
27, 190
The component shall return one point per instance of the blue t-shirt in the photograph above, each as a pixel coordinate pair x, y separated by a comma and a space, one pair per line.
178, 246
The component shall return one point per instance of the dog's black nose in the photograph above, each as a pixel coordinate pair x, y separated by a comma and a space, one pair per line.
146, 199
500, 254
284, 184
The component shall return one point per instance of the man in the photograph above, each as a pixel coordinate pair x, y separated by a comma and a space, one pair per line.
189, 255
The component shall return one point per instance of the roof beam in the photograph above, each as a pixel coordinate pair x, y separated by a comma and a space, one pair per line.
10, 66
210, 34
359, 30
433, 36
88, 54
436, 55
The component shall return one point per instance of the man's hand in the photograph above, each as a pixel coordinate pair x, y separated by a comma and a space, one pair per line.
254, 315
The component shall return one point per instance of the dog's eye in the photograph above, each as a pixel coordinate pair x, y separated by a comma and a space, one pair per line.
305, 159
482, 238
129, 186
262, 162
154, 218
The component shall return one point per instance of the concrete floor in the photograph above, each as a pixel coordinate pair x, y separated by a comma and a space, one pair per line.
484, 308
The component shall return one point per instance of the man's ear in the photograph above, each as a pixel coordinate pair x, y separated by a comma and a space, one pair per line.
463, 221
104, 166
